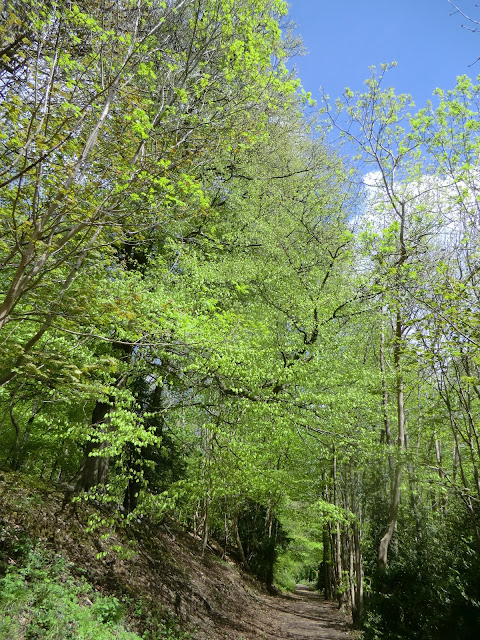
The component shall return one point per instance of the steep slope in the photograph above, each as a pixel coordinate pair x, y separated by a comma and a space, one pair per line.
156, 564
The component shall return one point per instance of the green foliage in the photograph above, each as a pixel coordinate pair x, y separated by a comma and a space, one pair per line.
429, 590
262, 536
200, 316
299, 559
42, 598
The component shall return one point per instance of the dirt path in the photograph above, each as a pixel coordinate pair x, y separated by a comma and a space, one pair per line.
210, 596
303, 615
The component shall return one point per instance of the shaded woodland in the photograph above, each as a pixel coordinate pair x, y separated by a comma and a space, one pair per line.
213, 309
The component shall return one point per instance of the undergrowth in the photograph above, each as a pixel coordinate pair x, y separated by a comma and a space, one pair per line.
43, 599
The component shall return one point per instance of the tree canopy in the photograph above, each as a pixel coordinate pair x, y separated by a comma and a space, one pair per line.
209, 311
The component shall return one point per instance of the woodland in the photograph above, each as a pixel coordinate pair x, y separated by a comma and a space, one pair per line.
211, 311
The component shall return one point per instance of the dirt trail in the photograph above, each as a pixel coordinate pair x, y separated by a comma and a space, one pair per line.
209, 595
303, 615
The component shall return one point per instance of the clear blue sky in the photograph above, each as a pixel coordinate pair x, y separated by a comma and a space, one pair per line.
345, 37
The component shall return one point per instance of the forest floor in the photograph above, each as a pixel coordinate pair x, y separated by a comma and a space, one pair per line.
164, 571
303, 615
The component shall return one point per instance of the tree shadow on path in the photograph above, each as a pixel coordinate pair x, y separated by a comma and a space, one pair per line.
302, 615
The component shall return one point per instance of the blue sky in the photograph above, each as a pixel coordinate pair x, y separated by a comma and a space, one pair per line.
345, 37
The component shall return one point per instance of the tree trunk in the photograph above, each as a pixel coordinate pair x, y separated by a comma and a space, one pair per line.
130, 499
386, 435
338, 540
94, 467
395, 494
327, 565
239, 543
205, 524
357, 611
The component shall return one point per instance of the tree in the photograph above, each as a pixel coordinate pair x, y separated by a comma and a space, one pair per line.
403, 217
145, 87
419, 224
86, 83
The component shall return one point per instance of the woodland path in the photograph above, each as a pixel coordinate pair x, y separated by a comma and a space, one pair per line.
302, 615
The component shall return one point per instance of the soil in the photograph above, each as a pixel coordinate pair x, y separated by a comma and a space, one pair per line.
303, 615
208, 595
